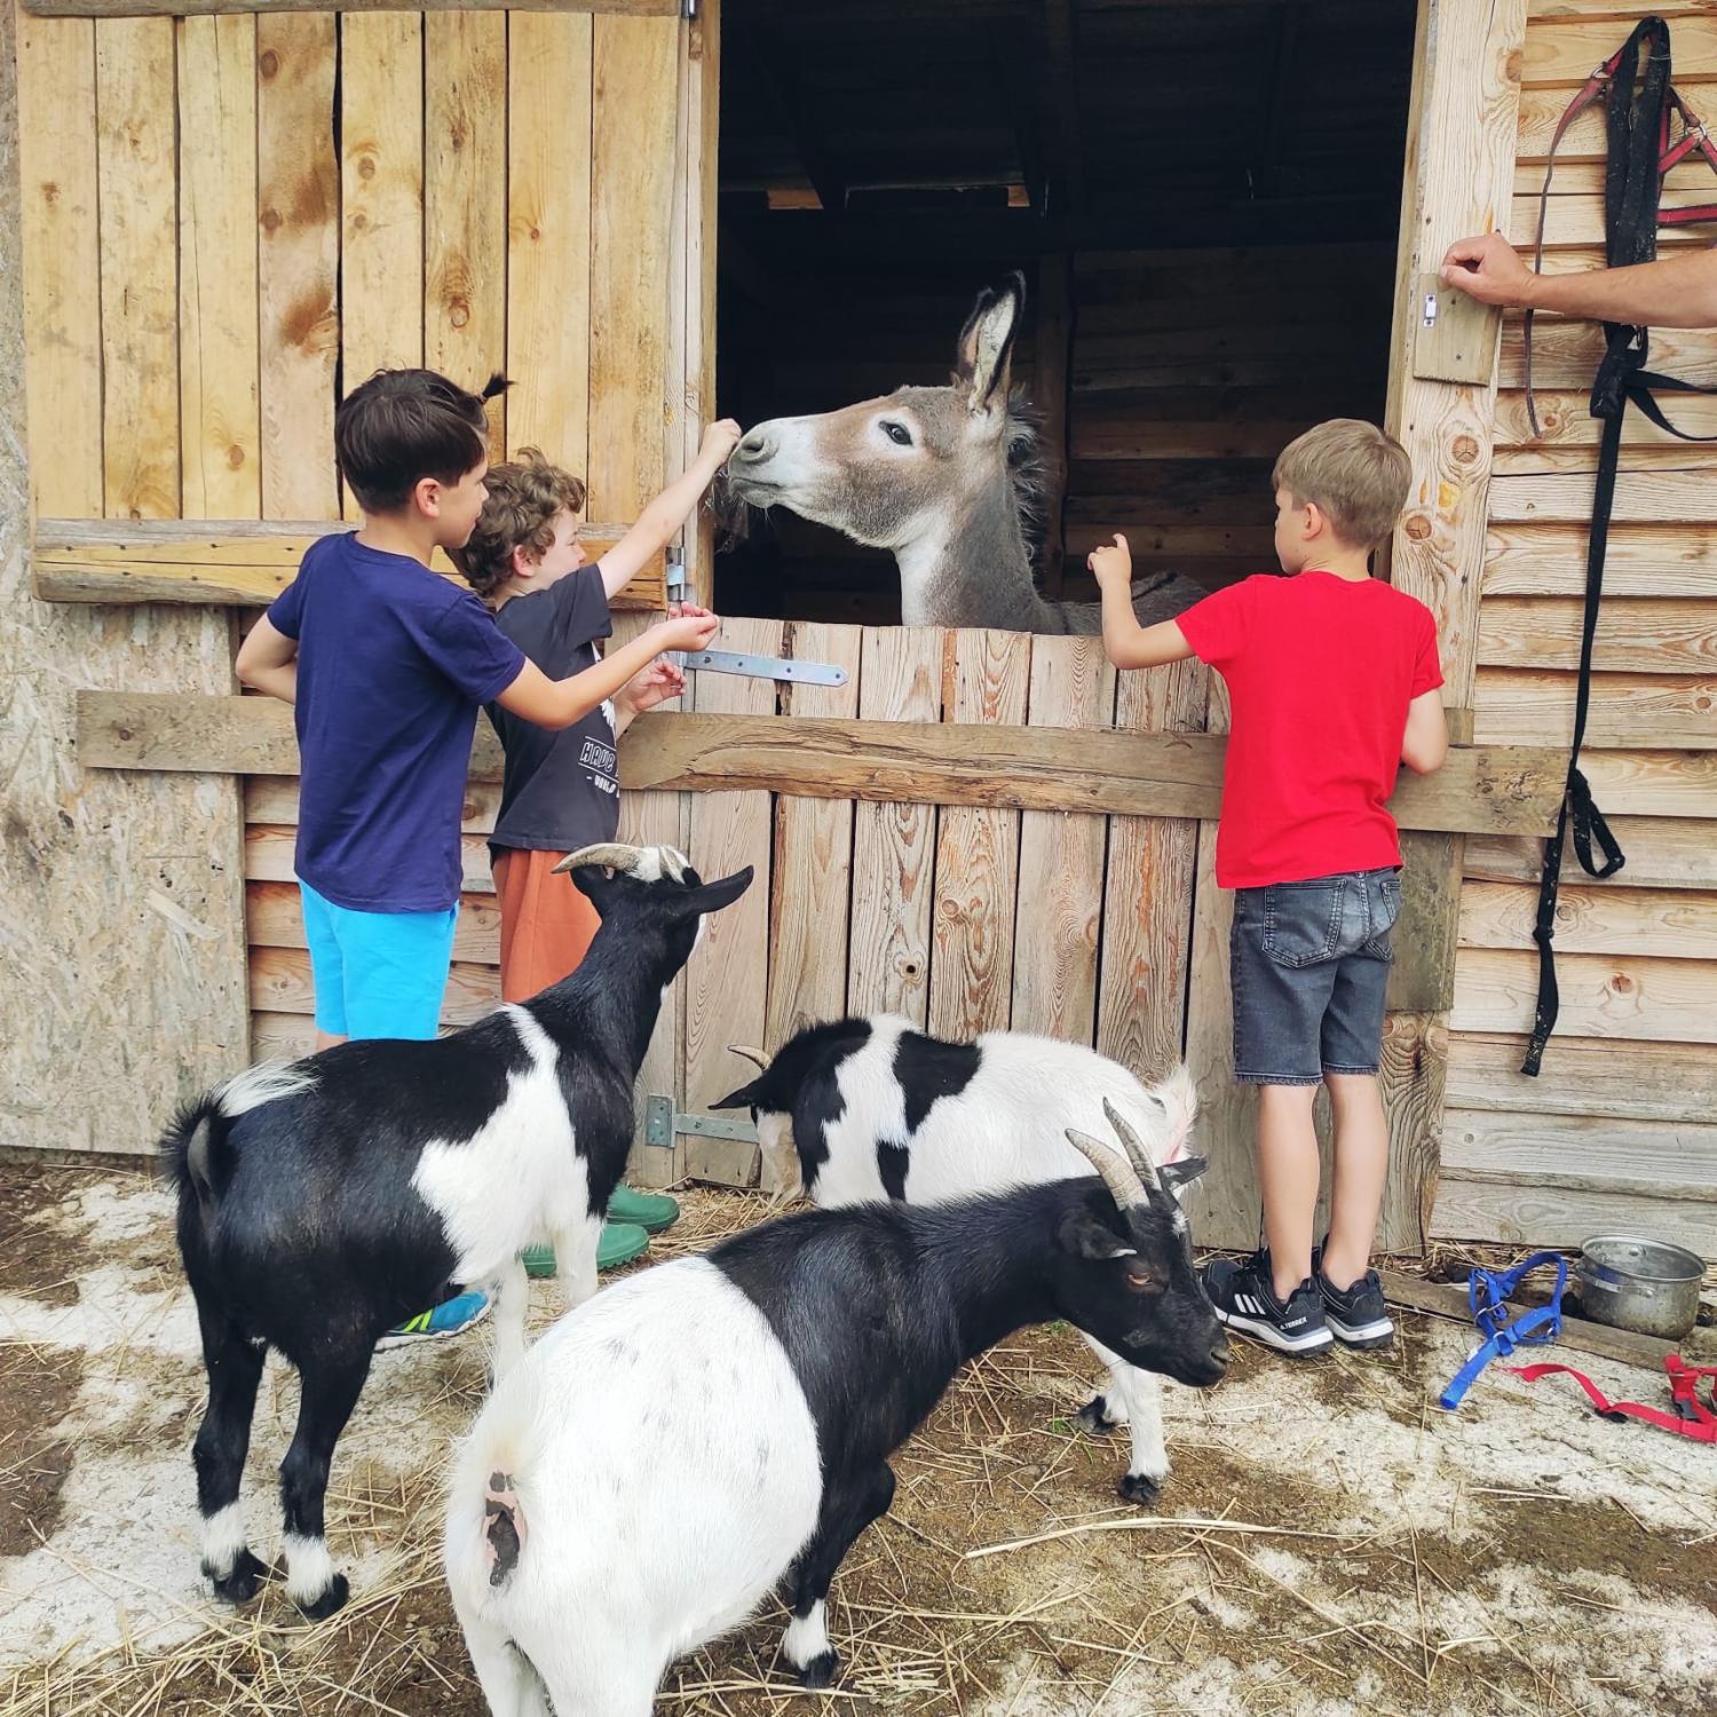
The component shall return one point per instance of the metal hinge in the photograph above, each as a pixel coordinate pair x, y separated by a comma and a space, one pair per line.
748, 667
663, 1123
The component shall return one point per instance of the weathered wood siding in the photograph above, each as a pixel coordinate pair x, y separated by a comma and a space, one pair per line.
1618, 1129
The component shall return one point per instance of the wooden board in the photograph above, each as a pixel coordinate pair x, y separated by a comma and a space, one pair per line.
1520, 706
1672, 1001
1536, 1215
280, 982
281, 1037
1662, 852
464, 207
1658, 561
634, 107
220, 433
894, 844
1585, 1076
1665, 923
1565, 423
1653, 783
298, 199
1637, 636
139, 289
548, 235
727, 977
268, 857
58, 218
381, 196
274, 918
1148, 890
1656, 1158
977, 849
1412, 1075
1056, 928
185, 8
812, 870
1642, 497
232, 562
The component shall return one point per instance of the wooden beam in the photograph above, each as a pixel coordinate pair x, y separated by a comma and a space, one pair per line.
240, 561
196, 8
775, 51
1040, 769
1065, 163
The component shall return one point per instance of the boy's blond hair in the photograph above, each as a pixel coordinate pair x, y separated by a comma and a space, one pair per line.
526, 495
1355, 473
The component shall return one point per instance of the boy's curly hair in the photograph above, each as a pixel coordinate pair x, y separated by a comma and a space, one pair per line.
1358, 475
525, 496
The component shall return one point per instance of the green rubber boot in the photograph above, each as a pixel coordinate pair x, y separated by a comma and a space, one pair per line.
651, 1211
621, 1242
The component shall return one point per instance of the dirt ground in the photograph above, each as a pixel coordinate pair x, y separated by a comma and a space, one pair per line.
1330, 1543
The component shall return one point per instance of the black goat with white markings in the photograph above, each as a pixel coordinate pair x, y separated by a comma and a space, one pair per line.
710, 1428
322, 1202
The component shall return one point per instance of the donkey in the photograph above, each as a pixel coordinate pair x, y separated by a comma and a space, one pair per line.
948, 478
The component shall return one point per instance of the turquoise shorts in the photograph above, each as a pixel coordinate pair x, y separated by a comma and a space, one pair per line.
377, 974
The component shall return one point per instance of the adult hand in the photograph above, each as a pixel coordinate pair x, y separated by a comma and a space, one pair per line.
1489, 269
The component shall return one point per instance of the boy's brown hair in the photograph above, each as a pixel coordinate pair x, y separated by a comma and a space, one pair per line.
1354, 472
401, 426
525, 497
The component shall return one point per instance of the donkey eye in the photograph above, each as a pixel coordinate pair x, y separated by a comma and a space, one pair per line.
898, 434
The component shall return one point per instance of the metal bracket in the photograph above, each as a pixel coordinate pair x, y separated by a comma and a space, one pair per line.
663, 1124
748, 667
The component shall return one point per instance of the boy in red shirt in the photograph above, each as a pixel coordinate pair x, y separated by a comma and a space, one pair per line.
1333, 683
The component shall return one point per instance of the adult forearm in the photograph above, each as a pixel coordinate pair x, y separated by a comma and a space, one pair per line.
1673, 292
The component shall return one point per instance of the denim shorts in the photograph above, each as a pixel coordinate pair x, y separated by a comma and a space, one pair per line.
377, 974
1309, 964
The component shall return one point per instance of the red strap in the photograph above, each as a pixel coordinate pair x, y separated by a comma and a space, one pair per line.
1701, 1425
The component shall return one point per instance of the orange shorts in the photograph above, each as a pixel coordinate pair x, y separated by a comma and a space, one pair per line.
547, 925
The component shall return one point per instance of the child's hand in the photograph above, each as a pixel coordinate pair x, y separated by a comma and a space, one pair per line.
719, 440
689, 628
656, 684
1112, 566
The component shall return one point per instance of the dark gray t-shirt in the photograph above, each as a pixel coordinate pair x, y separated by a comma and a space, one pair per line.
559, 791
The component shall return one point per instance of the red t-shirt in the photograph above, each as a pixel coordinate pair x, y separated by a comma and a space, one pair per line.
1320, 671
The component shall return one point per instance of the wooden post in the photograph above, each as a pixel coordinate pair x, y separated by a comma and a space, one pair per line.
1460, 169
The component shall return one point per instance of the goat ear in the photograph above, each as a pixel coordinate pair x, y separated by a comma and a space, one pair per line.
1083, 1235
713, 896
746, 1097
1182, 1172
986, 344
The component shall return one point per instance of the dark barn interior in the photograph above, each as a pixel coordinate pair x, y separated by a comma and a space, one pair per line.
1203, 199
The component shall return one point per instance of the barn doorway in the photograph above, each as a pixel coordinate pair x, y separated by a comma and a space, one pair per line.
1204, 201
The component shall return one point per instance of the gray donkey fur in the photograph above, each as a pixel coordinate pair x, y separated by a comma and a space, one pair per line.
948, 479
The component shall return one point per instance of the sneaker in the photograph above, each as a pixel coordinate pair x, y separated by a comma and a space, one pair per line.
621, 1242
1357, 1316
651, 1211
1245, 1299
453, 1316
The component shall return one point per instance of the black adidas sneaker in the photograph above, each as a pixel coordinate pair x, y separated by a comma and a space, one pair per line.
1357, 1316
1245, 1299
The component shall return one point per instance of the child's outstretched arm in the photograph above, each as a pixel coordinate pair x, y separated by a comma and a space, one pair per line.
535, 698
1127, 643
268, 660
670, 509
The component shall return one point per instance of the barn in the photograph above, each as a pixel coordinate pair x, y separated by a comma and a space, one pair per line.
224, 213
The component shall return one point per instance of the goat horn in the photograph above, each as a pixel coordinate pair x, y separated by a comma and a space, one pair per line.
755, 1056
1122, 1183
615, 854
1134, 1146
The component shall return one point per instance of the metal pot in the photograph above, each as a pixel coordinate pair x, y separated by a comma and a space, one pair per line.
1643, 1285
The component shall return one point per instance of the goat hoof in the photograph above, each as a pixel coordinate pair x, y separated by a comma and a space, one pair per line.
1094, 1415
239, 1586
1140, 1488
333, 1597
821, 1670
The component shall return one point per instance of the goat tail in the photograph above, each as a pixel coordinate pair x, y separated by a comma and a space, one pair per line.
187, 1151
1178, 1095
490, 1500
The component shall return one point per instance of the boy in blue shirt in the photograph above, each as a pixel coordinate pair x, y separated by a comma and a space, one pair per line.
386, 664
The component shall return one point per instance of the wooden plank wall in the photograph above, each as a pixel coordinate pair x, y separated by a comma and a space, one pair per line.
437, 217
1618, 1129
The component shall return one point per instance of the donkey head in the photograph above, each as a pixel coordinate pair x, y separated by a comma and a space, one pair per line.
916, 468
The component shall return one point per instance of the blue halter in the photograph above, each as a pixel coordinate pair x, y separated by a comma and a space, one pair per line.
1488, 1293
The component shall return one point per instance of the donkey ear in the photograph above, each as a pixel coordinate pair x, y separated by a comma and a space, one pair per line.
986, 343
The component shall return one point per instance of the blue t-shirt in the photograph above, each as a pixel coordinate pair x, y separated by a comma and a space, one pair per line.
393, 663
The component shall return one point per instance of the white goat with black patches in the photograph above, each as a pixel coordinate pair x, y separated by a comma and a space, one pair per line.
718, 1427
321, 1203
863, 1109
